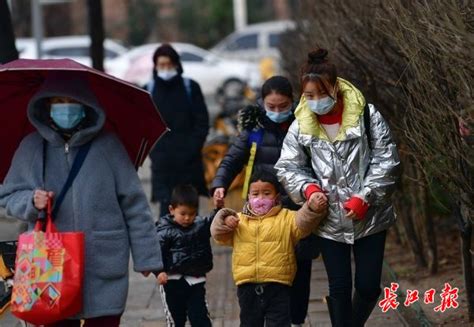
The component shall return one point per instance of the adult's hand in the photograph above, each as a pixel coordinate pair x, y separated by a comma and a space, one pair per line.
40, 198
218, 197
351, 215
318, 201
356, 208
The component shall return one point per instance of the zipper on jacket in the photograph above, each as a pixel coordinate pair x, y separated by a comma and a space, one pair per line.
257, 250
66, 148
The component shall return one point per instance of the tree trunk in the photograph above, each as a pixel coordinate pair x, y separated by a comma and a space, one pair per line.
413, 239
466, 253
432, 246
410, 213
282, 9
96, 32
8, 50
426, 226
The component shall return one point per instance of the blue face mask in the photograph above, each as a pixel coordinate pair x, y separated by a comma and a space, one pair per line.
67, 115
278, 117
321, 106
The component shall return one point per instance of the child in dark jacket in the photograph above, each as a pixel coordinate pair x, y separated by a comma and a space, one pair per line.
187, 257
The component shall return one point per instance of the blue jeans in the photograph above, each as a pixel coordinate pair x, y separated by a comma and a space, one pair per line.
368, 257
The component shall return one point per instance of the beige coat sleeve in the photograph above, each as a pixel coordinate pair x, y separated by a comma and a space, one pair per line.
220, 232
308, 220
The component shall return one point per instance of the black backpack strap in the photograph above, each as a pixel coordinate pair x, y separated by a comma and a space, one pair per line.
367, 125
76, 166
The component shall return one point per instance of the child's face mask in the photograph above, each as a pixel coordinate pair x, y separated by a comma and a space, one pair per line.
262, 197
261, 205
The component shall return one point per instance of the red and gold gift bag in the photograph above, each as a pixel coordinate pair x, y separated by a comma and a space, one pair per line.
49, 272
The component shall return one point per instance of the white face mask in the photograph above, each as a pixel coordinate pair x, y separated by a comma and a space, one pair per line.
167, 74
321, 106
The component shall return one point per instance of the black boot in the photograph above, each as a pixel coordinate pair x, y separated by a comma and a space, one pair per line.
361, 309
339, 312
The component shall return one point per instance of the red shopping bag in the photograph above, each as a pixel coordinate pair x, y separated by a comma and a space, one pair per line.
49, 271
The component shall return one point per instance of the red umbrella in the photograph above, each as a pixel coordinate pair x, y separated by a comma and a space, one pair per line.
130, 111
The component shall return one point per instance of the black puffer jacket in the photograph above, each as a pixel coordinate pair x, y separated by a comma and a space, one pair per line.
176, 158
186, 250
268, 150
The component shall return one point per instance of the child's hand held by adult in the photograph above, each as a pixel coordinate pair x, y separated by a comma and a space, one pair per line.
318, 202
162, 278
231, 221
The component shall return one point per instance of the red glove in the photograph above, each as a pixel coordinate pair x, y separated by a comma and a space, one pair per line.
357, 205
312, 188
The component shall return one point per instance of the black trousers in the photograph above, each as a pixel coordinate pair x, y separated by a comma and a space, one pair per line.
368, 257
183, 300
264, 304
164, 207
300, 291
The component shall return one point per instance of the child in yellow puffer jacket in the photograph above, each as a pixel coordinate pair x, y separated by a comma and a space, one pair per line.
263, 236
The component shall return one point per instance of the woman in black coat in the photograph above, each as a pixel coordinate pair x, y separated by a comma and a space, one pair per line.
264, 127
176, 158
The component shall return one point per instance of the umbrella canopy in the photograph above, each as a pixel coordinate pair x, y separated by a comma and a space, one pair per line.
129, 110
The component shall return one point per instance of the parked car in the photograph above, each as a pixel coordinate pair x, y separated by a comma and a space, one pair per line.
254, 42
73, 47
209, 70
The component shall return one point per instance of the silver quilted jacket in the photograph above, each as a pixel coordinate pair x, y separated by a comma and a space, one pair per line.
344, 167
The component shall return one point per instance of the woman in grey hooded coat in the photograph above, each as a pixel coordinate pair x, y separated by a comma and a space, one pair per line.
106, 200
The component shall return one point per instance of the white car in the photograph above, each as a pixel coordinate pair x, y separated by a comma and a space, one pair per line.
209, 70
254, 42
72, 47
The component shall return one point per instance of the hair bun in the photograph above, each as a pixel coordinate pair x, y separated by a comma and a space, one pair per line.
317, 56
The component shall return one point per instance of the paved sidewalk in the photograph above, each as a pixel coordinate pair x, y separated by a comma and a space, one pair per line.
145, 309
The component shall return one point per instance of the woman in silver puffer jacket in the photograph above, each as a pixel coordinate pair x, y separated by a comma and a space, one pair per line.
340, 148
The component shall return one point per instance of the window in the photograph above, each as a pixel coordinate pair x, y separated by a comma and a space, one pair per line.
68, 52
245, 42
274, 40
188, 56
109, 54
72, 52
